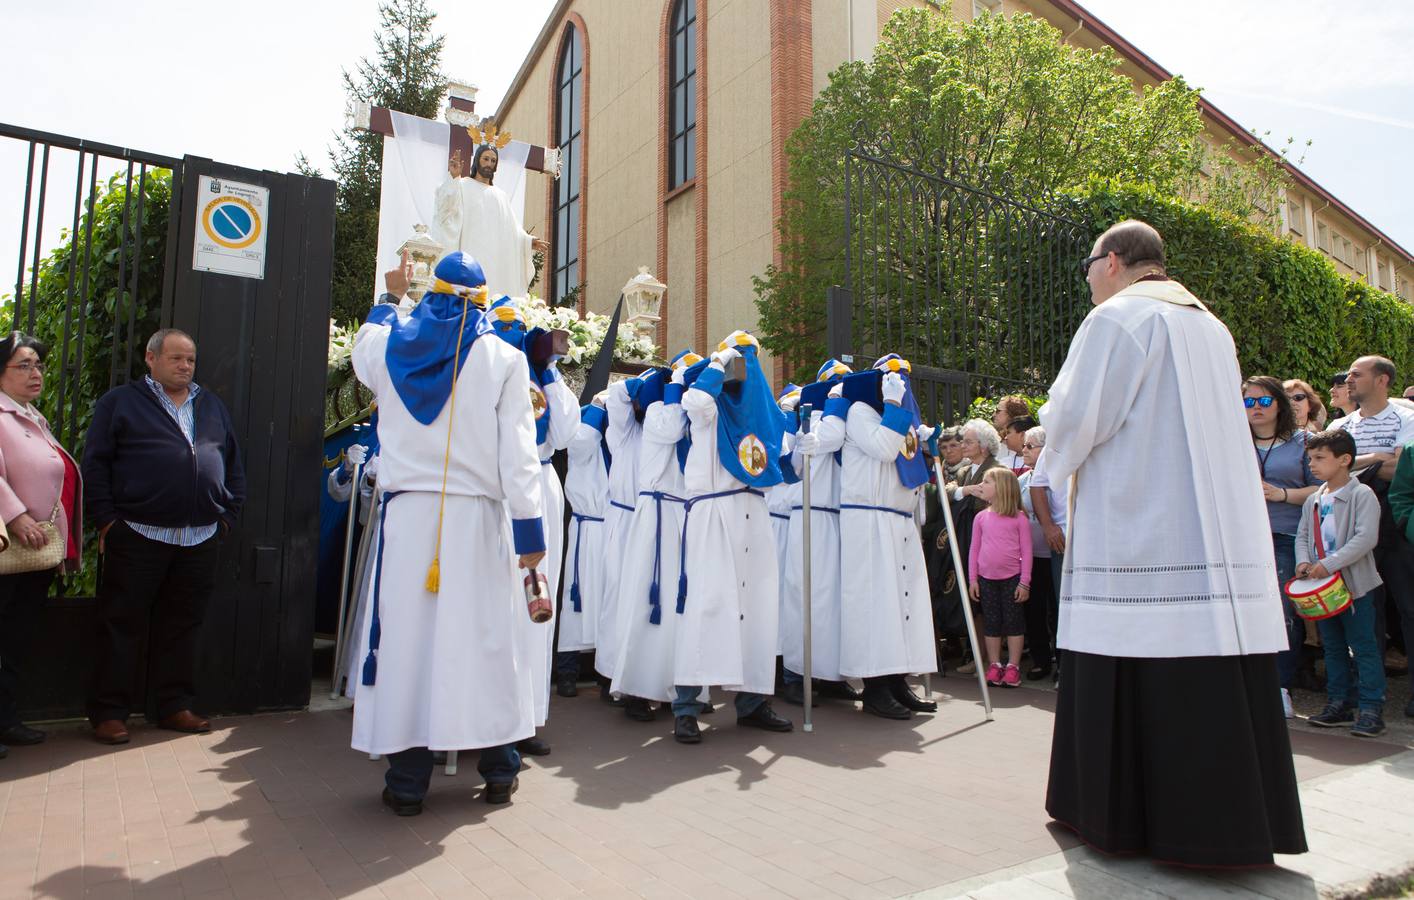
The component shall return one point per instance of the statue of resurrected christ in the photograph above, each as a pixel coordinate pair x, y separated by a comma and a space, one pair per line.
474, 216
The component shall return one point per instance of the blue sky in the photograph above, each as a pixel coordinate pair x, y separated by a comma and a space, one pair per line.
1341, 75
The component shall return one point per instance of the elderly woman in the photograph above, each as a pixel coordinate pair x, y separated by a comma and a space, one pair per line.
39, 487
1287, 481
1306, 405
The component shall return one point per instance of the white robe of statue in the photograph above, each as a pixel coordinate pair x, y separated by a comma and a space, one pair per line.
453, 673
644, 667
540, 637
477, 219
624, 437
1168, 553
729, 626
825, 559
886, 612
587, 490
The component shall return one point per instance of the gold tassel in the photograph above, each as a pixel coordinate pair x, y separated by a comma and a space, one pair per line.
434, 576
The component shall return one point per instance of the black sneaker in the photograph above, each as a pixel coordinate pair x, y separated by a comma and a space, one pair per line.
765, 718
1333, 716
685, 730
1368, 724
639, 710
501, 793
401, 805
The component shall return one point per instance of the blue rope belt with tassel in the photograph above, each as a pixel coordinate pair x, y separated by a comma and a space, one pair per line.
655, 615
579, 520
682, 548
623, 506
888, 509
814, 508
375, 628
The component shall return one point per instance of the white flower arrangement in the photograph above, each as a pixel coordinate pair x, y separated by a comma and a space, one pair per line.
586, 337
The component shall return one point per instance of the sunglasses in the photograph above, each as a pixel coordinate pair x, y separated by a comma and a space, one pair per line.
1297, 398
1088, 261
1030, 446
1263, 402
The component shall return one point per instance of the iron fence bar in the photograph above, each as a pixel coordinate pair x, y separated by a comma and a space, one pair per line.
87, 147
38, 231
24, 238
122, 278
84, 298
64, 373
137, 269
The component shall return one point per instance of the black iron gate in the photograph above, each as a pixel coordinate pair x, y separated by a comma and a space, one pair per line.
978, 291
103, 244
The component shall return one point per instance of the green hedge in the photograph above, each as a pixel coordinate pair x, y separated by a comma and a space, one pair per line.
1291, 314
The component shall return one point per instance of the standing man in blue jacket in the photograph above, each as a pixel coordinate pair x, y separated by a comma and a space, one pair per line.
163, 480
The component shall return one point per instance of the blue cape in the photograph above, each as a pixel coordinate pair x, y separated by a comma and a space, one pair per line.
864, 387
596, 417
655, 388
422, 346
540, 376
749, 424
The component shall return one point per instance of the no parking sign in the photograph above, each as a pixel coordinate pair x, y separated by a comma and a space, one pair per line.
231, 227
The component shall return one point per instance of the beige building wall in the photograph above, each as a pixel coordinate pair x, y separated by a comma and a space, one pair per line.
682, 273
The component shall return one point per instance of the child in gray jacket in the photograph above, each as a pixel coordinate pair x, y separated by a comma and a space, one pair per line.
1340, 525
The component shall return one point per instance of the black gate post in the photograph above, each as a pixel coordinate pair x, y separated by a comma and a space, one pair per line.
262, 347
838, 313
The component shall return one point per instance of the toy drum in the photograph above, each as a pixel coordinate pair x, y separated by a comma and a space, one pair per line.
1319, 598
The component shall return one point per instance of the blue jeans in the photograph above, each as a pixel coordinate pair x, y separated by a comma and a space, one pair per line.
1352, 633
789, 677
687, 704
567, 662
1288, 660
410, 770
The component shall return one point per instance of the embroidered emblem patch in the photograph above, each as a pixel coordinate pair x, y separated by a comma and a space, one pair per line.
537, 401
910, 444
752, 454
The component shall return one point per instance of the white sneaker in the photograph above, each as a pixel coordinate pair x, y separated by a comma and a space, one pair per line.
1286, 703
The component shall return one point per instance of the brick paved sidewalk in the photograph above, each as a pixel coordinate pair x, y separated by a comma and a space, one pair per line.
277, 805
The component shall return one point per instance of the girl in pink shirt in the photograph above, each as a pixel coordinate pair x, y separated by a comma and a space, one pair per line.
999, 572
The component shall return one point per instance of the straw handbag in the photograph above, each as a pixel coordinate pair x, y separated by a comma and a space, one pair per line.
17, 558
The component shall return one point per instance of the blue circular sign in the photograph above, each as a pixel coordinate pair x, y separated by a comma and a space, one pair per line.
231, 222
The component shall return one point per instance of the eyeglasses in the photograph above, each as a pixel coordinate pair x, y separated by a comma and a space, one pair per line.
1030, 446
1297, 398
1089, 261
1263, 402
28, 367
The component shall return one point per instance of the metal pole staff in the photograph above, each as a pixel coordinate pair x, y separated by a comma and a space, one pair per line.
946, 503
805, 593
344, 577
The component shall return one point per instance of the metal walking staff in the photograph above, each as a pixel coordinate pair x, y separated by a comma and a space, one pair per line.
344, 577
946, 503
805, 597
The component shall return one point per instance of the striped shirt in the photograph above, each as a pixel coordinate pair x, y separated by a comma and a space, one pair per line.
185, 417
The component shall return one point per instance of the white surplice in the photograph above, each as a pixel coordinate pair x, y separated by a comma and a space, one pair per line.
644, 667
825, 559
624, 437
478, 219
779, 500
729, 627
452, 671
886, 614
1169, 551
587, 490
540, 636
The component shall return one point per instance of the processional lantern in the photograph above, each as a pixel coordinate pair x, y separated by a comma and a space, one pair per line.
423, 251
643, 298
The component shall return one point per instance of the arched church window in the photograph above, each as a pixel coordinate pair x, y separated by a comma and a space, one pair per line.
569, 127
682, 94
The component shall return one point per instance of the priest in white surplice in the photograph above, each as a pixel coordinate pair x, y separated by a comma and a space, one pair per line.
1169, 736
445, 668
475, 216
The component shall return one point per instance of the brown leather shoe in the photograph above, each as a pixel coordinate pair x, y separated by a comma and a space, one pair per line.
185, 721
111, 731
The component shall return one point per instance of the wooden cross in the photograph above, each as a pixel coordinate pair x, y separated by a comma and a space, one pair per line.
460, 113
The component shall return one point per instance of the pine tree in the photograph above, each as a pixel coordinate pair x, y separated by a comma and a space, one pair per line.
404, 74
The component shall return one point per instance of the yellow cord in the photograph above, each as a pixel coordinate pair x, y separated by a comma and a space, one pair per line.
434, 571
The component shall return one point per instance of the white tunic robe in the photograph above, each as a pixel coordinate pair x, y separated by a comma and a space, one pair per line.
825, 560
452, 668
1169, 552
587, 489
886, 614
779, 500
624, 436
540, 637
728, 631
645, 662
477, 219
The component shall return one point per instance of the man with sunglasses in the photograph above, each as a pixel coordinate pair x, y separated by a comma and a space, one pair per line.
1170, 613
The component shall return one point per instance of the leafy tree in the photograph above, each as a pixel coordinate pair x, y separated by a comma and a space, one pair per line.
1001, 104
404, 74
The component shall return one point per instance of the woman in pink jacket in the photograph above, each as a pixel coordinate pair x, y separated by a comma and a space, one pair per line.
39, 482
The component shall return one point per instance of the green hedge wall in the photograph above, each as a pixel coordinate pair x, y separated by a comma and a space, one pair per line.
1291, 314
